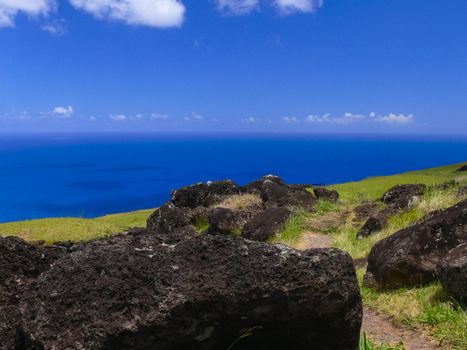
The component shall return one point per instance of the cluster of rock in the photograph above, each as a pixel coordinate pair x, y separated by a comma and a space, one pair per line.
256, 211
168, 287
176, 291
434, 249
398, 198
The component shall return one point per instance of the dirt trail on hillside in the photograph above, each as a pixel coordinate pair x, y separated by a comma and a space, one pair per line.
379, 328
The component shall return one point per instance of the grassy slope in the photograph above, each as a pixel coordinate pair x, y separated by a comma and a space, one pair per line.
74, 229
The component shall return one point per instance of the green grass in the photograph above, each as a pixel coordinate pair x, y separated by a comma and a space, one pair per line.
293, 229
426, 307
374, 187
74, 229
345, 237
367, 344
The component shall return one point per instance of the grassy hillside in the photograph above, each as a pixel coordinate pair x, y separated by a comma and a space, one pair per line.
74, 229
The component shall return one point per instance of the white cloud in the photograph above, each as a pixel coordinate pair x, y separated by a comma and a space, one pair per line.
326, 118
159, 116
251, 120
237, 7
194, 117
349, 118
118, 117
10, 8
290, 120
392, 118
152, 13
61, 112
55, 27
292, 6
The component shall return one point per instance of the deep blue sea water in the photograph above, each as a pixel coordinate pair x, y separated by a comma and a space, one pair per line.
91, 175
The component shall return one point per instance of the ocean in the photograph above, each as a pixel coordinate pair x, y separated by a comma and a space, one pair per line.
57, 175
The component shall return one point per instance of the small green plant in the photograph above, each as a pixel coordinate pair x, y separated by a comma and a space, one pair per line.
366, 344
201, 224
248, 333
293, 228
323, 206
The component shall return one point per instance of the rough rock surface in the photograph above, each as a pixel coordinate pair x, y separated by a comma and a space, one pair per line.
178, 291
327, 194
365, 210
374, 224
229, 221
462, 191
453, 272
19, 263
266, 224
274, 201
410, 256
204, 194
463, 168
403, 197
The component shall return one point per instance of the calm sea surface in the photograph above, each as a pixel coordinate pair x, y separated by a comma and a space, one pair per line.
92, 175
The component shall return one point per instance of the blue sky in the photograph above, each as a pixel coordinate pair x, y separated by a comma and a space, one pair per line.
334, 66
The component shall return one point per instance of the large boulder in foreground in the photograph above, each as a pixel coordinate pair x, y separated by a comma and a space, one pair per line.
19, 263
179, 291
403, 197
410, 256
453, 272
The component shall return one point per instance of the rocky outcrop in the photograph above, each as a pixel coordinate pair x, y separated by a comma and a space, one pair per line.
462, 168
453, 273
263, 207
403, 197
183, 291
204, 194
410, 256
326, 194
365, 210
266, 224
20, 262
374, 224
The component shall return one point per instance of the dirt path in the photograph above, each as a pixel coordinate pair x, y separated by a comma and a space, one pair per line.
377, 327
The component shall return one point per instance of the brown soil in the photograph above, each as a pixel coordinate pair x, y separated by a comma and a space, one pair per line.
377, 327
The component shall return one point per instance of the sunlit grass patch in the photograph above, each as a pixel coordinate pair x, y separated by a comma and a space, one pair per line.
293, 229
74, 229
426, 307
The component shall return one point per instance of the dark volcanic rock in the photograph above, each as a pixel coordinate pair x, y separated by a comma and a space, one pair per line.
374, 224
410, 256
257, 186
204, 194
266, 224
229, 221
404, 196
168, 217
462, 191
19, 263
365, 210
463, 168
181, 291
453, 273
327, 194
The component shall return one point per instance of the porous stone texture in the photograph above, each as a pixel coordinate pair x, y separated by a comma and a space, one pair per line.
326, 194
403, 197
410, 256
183, 291
453, 273
20, 262
272, 203
365, 210
266, 224
374, 224
204, 194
